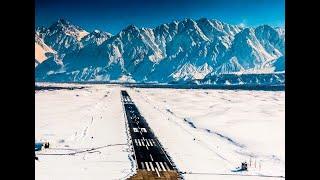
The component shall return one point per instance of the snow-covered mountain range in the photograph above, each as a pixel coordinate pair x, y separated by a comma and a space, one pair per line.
178, 51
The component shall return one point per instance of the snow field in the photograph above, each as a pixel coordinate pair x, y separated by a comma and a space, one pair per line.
207, 133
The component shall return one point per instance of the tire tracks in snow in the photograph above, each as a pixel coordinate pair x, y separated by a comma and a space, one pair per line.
183, 128
89, 150
240, 147
92, 110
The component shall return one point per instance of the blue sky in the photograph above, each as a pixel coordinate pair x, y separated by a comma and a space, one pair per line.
114, 15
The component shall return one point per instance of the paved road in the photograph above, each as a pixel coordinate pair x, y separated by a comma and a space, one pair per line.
149, 155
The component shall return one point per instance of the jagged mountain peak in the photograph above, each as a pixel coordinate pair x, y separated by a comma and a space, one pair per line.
95, 37
40, 29
281, 30
187, 23
203, 19
243, 36
96, 31
63, 21
129, 31
256, 47
266, 30
177, 50
99, 33
246, 31
63, 36
189, 30
265, 26
187, 20
66, 27
130, 28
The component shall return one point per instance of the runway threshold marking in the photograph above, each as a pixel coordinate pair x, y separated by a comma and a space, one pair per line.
161, 164
151, 144
157, 172
151, 165
142, 164
147, 143
166, 165
158, 166
148, 169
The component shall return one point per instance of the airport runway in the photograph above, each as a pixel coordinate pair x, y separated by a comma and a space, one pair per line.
149, 154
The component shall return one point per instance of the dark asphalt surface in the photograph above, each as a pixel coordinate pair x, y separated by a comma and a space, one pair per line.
149, 154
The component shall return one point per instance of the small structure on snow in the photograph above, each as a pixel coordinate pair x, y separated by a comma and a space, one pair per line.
40, 145
243, 167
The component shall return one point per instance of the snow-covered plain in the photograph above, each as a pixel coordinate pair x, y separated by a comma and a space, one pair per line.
78, 120
228, 126
207, 133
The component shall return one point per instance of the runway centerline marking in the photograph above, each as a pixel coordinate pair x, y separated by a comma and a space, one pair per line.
151, 157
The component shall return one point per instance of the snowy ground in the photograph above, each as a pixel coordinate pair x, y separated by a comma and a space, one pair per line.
78, 120
206, 132
228, 127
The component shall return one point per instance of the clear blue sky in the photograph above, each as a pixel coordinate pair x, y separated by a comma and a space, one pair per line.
114, 15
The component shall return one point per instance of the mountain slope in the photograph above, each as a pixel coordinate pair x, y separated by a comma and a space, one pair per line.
177, 51
42, 51
62, 36
65, 38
